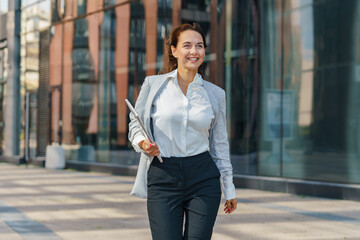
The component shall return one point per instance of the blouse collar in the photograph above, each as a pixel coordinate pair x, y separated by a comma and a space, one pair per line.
197, 79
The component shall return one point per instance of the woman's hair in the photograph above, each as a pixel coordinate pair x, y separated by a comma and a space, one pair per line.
170, 62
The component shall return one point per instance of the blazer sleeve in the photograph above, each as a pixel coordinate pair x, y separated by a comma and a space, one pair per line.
135, 133
219, 147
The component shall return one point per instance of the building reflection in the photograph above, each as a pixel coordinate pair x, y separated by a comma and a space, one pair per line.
289, 69
101, 57
3, 77
33, 20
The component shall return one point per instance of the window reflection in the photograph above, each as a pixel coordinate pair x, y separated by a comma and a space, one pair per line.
287, 48
34, 18
3, 78
163, 29
196, 5
165, 4
137, 49
27, 2
4, 6
83, 86
81, 6
107, 115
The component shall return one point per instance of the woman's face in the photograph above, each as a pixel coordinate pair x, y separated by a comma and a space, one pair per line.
190, 50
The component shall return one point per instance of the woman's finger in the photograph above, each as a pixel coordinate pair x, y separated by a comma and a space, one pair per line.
154, 153
153, 149
230, 205
227, 208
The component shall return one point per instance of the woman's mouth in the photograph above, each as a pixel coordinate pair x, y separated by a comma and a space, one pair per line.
193, 59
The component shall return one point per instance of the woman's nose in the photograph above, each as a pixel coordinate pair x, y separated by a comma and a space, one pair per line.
193, 49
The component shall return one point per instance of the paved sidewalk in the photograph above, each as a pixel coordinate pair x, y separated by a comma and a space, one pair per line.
41, 204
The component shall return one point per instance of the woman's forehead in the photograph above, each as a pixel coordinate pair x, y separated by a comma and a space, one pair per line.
190, 36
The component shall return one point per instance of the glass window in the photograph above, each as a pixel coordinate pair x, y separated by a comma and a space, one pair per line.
3, 64
196, 4
310, 91
29, 63
81, 7
83, 84
58, 10
110, 2
164, 27
165, 4
294, 4
105, 65
2, 116
4, 6
3, 78
28, 2
324, 98
238, 75
289, 68
107, 114
35, 17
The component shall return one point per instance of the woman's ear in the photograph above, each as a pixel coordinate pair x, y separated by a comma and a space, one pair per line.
173, 51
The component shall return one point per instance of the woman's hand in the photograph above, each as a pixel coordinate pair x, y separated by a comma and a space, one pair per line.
150, 148
230, 205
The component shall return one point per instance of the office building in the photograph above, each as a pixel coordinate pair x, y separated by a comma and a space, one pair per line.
290, 69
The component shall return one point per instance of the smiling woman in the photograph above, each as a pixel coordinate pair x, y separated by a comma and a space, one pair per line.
185, 117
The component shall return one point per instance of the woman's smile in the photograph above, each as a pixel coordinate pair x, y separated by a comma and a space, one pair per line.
193, 59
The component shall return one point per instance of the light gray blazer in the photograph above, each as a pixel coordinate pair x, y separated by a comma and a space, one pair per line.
218, 139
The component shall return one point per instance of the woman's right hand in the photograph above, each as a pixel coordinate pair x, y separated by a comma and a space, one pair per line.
150, 148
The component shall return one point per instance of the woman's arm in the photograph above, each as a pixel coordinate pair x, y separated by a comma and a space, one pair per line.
135, 133
219, 148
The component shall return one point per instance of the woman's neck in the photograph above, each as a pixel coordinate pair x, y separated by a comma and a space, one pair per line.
185, 76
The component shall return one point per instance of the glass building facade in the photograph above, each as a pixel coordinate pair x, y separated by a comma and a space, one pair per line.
35, 18
290, 69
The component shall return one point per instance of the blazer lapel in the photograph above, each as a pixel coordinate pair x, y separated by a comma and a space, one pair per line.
156, 86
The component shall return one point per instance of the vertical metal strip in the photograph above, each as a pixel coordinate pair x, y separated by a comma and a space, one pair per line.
228, 64
27, 124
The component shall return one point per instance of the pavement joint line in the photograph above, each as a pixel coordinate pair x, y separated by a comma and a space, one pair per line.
26, 227
319, 215
84, 175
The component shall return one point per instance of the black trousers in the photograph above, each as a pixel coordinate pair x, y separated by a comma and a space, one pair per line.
183, 187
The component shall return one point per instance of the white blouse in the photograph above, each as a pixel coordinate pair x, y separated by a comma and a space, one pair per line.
181, 123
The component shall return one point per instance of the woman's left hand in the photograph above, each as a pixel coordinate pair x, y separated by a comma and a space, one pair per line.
230, 205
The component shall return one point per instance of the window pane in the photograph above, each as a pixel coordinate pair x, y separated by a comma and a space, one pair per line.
4, 6
27, 2
35, 17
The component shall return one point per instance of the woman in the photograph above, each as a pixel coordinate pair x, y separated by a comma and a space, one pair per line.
185, 116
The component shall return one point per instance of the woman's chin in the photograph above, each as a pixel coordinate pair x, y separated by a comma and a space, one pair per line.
192, 67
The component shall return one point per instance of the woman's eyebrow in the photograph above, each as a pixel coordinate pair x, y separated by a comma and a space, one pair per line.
190, 43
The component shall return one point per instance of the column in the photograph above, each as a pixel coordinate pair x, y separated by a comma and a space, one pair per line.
12, 98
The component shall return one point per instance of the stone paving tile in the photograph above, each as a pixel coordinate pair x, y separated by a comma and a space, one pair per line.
8, 233
96, 206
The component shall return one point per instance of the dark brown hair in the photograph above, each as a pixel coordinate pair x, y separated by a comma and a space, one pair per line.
170, 62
